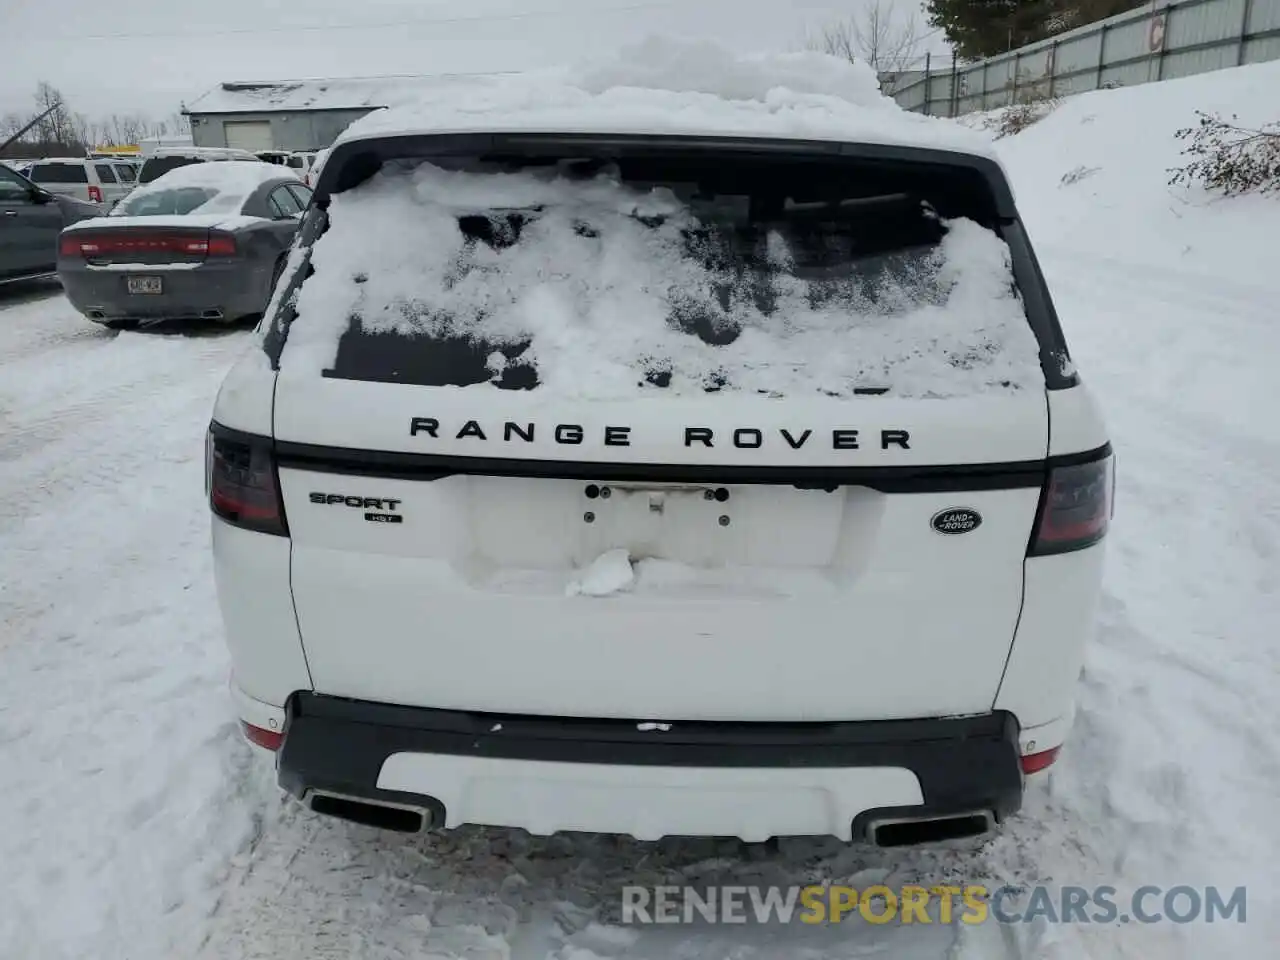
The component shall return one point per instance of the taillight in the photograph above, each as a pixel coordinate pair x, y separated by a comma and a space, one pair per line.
221, 245
95, 194
1035, 762
267, 739
134, 242
1076, 508
242, 483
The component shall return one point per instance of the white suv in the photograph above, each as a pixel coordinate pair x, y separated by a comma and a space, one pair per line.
101, 181
659, 484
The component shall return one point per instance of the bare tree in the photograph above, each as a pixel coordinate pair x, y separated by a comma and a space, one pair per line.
875, 36
81, 129
10, 124
57, 126
132, 128
61, 129
177, 125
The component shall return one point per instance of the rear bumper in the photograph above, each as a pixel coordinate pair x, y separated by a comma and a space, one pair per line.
749, 780
222, 290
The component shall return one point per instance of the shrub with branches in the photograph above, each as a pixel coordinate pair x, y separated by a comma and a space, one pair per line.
1021, 115
1228, 157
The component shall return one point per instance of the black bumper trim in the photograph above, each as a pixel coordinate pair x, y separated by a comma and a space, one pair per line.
963, 763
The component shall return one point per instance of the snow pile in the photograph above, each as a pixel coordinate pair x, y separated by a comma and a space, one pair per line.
699, 66
1090, 190
664, 85
611, 572
1168, 297
604, 294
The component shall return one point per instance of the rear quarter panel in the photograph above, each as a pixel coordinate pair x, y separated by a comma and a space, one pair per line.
252, 569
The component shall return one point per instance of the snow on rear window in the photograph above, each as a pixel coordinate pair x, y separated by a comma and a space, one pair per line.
217, 186
587, 287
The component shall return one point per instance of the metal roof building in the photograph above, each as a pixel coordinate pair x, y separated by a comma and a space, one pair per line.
296, 114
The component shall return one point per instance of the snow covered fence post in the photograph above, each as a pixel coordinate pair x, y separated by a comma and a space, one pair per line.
928, 84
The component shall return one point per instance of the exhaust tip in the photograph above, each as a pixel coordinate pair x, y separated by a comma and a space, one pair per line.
211, 315
370, 814
912, 831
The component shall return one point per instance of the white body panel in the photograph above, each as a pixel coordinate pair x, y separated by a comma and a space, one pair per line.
252, 573
1057, 621
1076, 423
807, 607
649, 803
246, 395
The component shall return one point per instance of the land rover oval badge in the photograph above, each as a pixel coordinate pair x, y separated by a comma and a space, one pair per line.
955, 520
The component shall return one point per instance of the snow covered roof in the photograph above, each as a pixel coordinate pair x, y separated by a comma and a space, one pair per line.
665, 86
353, 93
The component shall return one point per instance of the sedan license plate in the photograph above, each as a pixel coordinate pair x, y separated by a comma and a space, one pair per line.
146, 285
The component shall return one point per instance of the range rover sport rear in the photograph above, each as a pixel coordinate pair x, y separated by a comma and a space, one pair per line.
659, 485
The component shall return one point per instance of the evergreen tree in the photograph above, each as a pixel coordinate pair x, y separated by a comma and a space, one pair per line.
983, 28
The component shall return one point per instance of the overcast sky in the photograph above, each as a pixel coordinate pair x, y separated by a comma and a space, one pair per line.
148, 56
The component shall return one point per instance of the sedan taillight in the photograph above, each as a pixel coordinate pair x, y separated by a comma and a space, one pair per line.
221, 245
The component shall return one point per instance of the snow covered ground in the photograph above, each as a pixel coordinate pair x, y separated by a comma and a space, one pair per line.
135, 823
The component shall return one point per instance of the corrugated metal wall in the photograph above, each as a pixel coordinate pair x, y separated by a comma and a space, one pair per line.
1158, 41
290, 130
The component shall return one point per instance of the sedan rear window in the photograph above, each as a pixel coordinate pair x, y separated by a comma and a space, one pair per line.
612, 277
154, 203
59, 173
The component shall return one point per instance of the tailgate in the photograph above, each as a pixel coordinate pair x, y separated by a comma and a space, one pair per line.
767, 584
658, 430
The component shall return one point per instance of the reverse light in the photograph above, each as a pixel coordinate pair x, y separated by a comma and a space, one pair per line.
95, 194
243, 486
1075, 511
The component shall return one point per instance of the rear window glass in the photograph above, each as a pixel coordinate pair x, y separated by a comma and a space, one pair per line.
155, 203
156, 167
619, 277
59, 173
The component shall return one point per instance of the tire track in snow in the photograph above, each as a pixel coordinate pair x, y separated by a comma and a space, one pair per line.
88, 436
1149, 282
1164, 780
